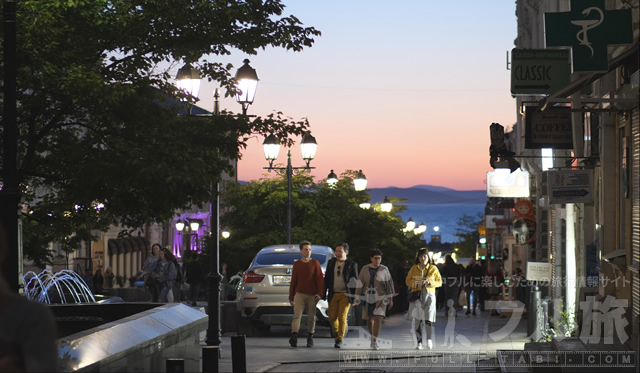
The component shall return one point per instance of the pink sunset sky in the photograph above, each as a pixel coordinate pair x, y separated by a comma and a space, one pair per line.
404, 91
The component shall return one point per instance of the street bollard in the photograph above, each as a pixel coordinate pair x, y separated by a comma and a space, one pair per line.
175, 366
210, 356
535, 324
238, 354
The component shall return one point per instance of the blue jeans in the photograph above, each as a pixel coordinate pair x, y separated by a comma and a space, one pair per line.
164, 292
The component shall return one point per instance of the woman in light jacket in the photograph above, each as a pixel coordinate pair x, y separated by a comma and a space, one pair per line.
165, 273
375, 287
424, 277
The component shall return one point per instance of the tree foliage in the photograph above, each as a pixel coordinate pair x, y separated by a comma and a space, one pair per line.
94, 122
322, 214
467, 234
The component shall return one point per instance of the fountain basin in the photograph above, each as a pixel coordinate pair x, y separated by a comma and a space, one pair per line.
133, 337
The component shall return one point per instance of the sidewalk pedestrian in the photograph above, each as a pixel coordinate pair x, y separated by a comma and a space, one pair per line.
148, 267
108, 278
473, 278
451, 281
98, 282
375, 286
423, 278
165, 274
340, 281
305, 290
175, 294
195, 277
494, 283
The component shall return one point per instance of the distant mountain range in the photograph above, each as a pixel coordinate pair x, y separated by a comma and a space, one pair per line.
426, 194
429, 194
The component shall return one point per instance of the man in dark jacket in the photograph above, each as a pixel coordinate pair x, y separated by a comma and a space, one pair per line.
473, 282
195, 278
340, 282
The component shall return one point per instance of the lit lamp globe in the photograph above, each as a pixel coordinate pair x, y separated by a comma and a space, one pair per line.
360, 182
271, 147
188, 80
308, 147
247, 85
180, 225
225, 234
194, 225
332, 179
386, 205
423, 227
365, 205
410, 225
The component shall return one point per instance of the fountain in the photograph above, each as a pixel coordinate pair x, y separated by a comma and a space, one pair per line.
61, 287
113, 335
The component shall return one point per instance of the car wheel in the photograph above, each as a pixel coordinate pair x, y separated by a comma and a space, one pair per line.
245, 327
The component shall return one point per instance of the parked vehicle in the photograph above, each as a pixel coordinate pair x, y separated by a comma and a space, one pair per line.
263, 294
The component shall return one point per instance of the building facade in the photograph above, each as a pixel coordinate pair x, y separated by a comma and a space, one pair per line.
590, 236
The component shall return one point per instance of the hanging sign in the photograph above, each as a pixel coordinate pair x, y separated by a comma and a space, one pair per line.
548, 129
588, 29
573, 186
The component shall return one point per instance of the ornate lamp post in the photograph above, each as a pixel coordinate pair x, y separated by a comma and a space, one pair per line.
271, 145
189, 80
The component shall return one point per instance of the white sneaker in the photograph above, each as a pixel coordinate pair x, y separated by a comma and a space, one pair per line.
429, 344
374, 346
419, 347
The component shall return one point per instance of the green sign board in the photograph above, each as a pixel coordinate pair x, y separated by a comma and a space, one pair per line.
588, 29
539, 71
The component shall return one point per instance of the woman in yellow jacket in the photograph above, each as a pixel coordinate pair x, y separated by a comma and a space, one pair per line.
423, 278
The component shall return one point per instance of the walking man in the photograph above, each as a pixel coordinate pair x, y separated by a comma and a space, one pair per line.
341, 273
305, 290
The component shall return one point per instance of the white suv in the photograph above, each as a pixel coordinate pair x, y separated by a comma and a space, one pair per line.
263, 295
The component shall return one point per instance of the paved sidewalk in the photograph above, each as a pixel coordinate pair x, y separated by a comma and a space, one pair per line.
468, 338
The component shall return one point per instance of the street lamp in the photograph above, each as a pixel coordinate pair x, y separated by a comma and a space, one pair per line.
308, 146
386, 205
332, 179
247, 85
188, 79
359, 182
410, 225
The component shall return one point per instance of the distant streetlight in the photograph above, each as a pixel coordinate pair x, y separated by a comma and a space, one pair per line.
410, 225
332, 179
360, 182
308, 146
225, 234
365, 205
386, 205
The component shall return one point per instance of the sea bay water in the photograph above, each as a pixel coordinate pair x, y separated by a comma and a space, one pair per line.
445, 216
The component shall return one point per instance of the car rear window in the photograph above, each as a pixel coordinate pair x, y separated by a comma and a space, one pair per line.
285, 258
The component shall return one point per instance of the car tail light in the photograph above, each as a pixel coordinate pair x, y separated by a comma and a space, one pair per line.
252, 277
